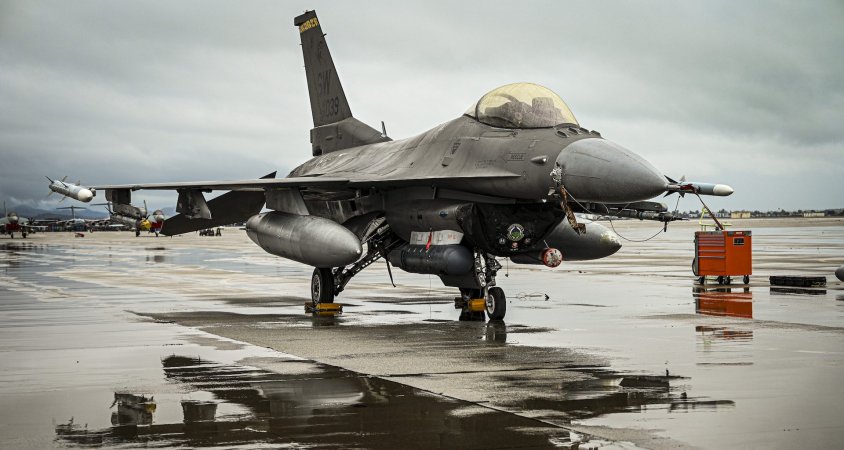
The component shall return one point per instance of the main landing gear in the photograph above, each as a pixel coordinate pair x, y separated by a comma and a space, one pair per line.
322, 286
328, 282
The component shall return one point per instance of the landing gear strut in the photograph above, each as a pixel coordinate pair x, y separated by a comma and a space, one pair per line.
328, 282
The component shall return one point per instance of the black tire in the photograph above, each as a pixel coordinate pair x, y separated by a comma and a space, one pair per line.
496, 304
23, 235
322, 286
727, 281
701, 280
137, 233
720, 280
746, 279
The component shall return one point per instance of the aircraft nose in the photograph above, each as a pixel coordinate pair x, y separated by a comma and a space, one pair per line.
599, 170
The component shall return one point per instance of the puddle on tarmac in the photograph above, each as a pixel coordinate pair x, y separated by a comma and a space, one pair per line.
323, 407
78, 370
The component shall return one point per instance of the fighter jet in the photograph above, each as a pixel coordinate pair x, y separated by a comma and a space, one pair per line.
502, 180
11, 223
135, 218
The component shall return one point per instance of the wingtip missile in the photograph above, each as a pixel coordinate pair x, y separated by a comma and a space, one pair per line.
74, 191
693, 187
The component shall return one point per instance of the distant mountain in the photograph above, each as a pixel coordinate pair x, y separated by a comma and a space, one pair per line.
90, 212
94, 212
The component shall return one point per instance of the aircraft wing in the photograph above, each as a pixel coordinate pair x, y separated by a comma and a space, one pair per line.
316, 182
234, 185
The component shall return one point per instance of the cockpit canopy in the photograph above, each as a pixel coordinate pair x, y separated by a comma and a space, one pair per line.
521, 105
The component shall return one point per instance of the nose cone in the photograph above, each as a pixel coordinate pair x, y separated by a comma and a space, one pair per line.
722, 190
598, 242
85, 195
610, 242
598, 170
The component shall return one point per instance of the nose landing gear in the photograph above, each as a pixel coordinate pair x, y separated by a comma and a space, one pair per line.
473, 302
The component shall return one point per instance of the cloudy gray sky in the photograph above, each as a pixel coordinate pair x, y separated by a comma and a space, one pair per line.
745, 93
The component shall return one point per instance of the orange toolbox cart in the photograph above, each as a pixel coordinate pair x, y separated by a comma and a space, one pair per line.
723, 254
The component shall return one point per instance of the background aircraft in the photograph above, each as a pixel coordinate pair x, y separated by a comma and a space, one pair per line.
11, 223
135, 218
504, 179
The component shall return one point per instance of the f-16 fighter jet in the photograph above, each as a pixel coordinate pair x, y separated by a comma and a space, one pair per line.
502, 180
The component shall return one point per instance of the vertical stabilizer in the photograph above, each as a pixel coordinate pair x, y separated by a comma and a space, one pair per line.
334, 127
328, 101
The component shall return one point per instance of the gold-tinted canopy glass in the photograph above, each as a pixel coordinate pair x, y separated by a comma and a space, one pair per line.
521, 105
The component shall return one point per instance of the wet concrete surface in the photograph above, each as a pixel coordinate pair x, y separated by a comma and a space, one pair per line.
111, 340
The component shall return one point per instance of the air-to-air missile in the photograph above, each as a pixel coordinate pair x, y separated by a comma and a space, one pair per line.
694, 187
71, 190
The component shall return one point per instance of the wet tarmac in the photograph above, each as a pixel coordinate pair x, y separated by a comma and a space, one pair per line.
111, 340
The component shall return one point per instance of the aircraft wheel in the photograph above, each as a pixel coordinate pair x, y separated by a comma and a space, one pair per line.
322, 286
746, 279
496, 304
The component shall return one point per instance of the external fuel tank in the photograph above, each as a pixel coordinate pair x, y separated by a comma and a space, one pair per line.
310, 240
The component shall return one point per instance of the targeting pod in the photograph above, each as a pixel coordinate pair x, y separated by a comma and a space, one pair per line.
448, 260
597, 242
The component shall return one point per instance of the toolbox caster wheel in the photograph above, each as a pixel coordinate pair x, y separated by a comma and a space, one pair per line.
727, 281
746, 279
719, 280
701, 280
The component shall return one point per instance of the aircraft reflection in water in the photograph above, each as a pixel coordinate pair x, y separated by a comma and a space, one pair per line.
329, 406
504, 179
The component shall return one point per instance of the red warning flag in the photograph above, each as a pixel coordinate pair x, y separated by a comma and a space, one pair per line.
430, 241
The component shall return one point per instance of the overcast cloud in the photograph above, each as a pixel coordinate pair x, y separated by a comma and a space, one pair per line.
749, 94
